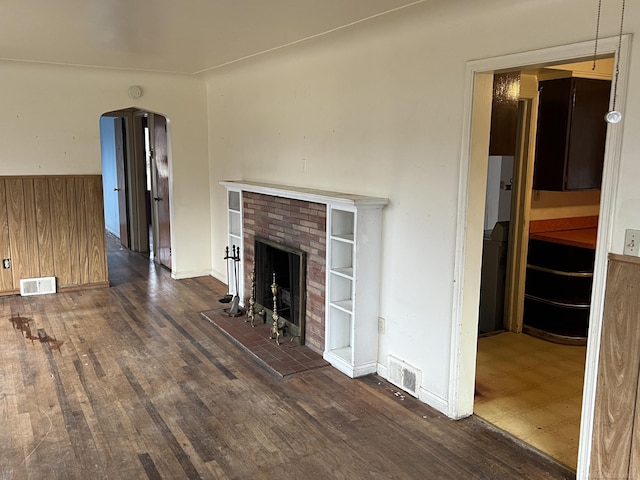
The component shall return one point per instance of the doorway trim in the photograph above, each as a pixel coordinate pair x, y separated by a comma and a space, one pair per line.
469, 232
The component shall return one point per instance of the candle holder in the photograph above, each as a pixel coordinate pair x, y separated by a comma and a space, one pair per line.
276, 326
252, 298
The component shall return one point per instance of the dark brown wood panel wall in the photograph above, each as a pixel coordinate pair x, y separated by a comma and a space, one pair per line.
17, 230
74, 244
94, 219
6, 281
31, 226
634, 464
59, 206
52, 226
43, 227
615, 434
81, 227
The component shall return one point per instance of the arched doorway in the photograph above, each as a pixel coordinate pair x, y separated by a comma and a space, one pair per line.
134, 147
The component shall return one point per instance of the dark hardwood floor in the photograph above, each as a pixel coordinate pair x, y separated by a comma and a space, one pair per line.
130, 382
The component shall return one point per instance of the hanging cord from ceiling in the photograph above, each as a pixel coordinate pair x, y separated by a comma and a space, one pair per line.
595, 48
615, 83
612, 116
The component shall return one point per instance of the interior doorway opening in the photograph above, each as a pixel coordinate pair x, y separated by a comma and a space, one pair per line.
538, 257
134, 147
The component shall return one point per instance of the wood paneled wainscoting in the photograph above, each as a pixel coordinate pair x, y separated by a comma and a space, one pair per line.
52, 226
616, 432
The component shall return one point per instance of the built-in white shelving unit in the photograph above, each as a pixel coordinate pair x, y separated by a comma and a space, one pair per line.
235, 238
353, 283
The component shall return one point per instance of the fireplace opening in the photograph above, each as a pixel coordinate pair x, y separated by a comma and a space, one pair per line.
289, 266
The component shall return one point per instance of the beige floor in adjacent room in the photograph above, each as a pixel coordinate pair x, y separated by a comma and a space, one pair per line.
532, 389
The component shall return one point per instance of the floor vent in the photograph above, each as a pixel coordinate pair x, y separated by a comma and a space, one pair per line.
37, 286
404, 376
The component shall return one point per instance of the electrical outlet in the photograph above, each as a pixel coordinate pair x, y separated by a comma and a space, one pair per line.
381, 325
6, 263
632, 242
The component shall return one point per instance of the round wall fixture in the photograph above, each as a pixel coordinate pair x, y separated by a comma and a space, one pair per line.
613, 116
135, 92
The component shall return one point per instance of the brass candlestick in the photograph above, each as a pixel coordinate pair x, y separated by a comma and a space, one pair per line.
252, 298
275, 327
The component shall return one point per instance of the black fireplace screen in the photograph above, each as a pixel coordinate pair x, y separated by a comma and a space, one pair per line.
289, 267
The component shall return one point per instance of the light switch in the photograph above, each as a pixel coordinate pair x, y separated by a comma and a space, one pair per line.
632, 242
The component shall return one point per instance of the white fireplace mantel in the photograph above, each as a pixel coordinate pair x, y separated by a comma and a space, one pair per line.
305, 194
352, 288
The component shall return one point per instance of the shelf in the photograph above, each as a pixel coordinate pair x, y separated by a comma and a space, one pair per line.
234, 201
235, 223
347, 237
345, 305
345, 353
341, 255
342, 224
565, 303
340, 289
340, 336
561, 272
346, 272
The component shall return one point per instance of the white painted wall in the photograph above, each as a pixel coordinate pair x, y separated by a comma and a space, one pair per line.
378, 109
49, 124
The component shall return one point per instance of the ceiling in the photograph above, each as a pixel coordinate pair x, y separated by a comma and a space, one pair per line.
181, 36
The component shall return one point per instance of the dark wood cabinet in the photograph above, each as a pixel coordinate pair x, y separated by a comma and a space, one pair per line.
571, 134
558, 291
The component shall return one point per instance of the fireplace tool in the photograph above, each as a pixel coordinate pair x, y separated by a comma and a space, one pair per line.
228, 297
234, 311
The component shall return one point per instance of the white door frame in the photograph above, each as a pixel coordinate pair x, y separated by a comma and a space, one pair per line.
471, 196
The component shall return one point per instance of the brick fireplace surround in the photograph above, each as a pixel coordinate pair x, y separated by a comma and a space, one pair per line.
341, 236
299, 224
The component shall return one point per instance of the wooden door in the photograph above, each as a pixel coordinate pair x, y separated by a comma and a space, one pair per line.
161, 197
121, 168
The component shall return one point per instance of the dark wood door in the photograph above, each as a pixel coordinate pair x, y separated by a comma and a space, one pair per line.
121, 169
161, 198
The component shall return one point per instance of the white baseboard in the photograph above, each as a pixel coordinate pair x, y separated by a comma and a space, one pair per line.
431, 399
435, 401
190, 274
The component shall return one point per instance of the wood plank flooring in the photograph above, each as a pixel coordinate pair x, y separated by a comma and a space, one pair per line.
130, 382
